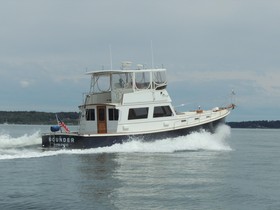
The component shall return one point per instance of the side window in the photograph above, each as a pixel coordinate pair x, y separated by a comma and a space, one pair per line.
138, 113
162, 111
90, 114
113, 114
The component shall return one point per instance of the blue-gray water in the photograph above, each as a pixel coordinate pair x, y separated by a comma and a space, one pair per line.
233, 169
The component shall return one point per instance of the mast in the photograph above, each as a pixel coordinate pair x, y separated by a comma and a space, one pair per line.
152, 53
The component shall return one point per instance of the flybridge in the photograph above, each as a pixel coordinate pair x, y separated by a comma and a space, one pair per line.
127, 80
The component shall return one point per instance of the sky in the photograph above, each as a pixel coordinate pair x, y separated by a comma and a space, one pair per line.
208, 47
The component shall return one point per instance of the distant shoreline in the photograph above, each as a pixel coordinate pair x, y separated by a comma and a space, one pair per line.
72, 118
264, 124
37, 118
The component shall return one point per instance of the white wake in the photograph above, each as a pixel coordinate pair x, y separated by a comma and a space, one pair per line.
6, 141
28, 146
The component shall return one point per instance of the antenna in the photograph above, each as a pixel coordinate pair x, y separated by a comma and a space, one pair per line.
232, 96
152, 53
111, 62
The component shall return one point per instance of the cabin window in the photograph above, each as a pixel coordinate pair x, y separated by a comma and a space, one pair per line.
113, 114
138, 113
90, 114
162, 111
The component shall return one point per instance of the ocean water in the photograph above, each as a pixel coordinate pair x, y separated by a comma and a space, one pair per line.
232, 169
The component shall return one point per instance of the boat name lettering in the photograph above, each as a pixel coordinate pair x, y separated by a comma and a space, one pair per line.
61, 145
61, 139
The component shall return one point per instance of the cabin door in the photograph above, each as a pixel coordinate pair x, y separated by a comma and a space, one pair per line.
101, 119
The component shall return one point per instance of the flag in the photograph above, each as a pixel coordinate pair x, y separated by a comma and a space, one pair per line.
62, 124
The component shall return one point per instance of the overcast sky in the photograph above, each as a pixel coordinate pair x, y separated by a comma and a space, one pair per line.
208, 47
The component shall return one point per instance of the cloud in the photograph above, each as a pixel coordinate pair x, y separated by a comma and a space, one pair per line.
24, 83
265, 81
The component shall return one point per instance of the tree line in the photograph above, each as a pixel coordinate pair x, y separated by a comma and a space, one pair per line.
34, 117
255, 124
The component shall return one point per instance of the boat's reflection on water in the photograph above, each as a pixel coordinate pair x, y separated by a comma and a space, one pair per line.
98, 181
